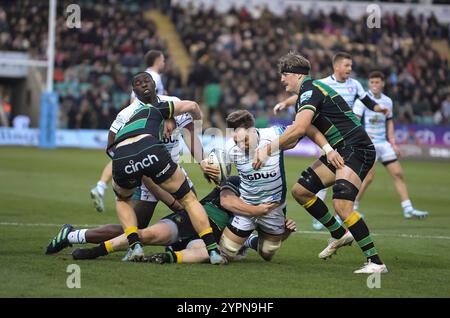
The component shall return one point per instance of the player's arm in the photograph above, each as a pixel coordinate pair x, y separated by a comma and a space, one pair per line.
284, 104
187, 106
391, 135
367, 101
161, 194
230, 201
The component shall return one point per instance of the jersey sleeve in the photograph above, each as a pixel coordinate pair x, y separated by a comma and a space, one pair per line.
232, 184
358, 108
390, 106
310, 98
166, 109
183, 120
360, 92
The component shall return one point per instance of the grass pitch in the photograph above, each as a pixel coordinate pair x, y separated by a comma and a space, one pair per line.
42, 189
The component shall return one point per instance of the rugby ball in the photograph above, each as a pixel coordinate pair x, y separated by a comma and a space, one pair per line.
218, 159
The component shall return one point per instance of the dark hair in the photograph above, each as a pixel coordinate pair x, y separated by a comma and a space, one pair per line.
240, 119
341, 56
376, 74
151, 56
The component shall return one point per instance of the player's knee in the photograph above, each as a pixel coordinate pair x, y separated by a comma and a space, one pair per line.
228, 247
267, 249
310, 181
300, 194
344, 190
398, 175
148, 236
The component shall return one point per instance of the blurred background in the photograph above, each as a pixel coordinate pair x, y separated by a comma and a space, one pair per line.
222, 54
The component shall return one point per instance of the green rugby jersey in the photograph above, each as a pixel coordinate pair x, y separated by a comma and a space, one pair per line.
332, 115
216, 213
146, 119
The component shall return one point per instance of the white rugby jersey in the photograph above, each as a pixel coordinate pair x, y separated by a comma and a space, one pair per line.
374, 123
173, 143
267, 184
350, 90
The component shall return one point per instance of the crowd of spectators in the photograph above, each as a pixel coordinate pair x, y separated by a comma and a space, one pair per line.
239, 51
93, 64
234, 56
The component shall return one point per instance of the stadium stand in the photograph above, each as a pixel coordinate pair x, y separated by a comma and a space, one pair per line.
233, 54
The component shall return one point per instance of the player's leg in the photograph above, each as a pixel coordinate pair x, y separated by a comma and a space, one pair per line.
365, 184
128, 220
161, 233
322, 194
175, 182
268, 245
395, 170
314, 179
98, 192
348, 181
234, 236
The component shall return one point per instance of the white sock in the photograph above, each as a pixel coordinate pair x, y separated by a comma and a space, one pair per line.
322, 194
77, 236
101, 187
407, 206
356, 205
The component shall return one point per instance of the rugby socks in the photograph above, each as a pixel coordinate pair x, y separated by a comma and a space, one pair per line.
360, 232
77, 237
319, 211
101, 187
252, 242
208, 237
407, 206
132, 235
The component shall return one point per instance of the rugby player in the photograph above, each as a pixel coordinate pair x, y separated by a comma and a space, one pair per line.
378, 127
267, 185
349, 89
138, 151
176, 230
320, 105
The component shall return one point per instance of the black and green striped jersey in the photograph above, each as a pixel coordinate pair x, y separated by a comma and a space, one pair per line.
216, 213
333, 117
146, 119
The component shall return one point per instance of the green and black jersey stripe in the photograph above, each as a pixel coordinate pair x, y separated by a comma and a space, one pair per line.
147, 119
332, 115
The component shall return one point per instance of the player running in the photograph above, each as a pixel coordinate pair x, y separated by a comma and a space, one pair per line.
320, 105
378, 126
348, 88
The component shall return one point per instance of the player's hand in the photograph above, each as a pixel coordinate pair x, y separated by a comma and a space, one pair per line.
381, 109
290, 225
169, 126
279, 107
335, 159
264, 208
396, 150
210, 172
260, 159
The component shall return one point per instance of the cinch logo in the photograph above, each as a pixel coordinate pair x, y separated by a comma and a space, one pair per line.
169, 140
258, 175
146, 162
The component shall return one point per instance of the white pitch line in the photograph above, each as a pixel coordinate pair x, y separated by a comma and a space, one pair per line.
409, 236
